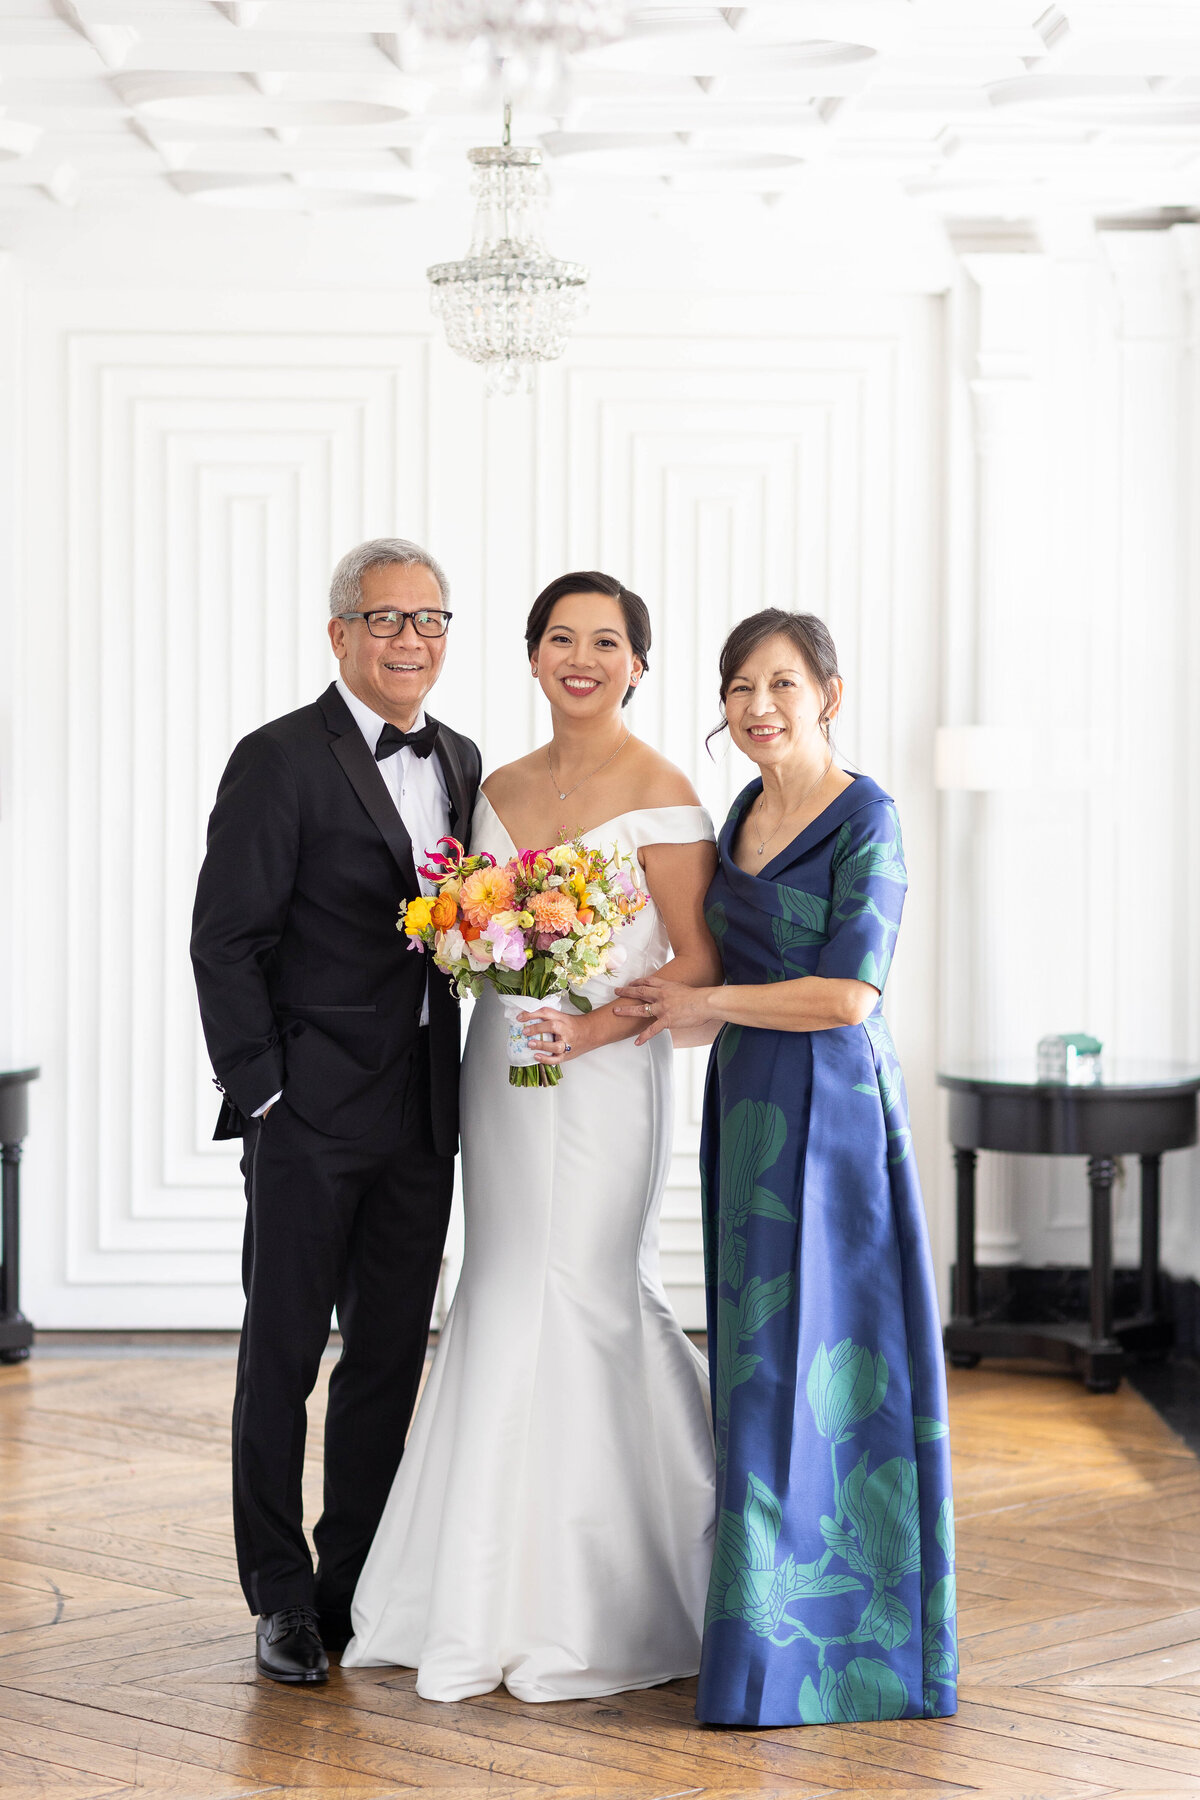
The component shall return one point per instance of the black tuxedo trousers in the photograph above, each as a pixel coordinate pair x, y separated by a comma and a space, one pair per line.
359, 1223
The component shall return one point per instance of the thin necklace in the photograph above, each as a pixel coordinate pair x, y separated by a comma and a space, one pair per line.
595, 771
797, 805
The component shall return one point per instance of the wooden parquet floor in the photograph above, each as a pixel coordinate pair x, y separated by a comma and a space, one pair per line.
126, 1653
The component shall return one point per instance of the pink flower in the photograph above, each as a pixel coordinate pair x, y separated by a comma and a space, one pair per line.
535, 864
508, 945
438, 867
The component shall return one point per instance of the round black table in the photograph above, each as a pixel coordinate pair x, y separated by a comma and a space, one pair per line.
16, 1333
1139, 1109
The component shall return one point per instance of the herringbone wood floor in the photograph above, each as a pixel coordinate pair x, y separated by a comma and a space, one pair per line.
125, 1649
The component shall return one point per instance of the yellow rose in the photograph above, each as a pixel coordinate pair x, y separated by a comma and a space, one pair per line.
418, 916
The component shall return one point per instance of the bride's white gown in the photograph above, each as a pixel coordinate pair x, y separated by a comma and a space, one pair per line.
550, 1526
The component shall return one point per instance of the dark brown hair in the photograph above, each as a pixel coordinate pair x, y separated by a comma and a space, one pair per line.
590, 581
805, 631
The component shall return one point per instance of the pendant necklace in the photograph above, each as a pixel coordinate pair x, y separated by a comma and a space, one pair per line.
791, 809
595, 771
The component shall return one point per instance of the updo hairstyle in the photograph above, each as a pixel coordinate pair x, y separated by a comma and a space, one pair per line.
585, 581
808, 634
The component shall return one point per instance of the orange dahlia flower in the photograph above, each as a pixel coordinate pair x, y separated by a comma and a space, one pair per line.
485, 892
553, 911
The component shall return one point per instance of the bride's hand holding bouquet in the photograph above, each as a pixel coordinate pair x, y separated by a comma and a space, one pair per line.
540, 926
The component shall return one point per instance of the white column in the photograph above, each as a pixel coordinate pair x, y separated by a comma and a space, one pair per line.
14, 1050
993, 682
1147, 700
1186, 239
1181, 1252
1155, 793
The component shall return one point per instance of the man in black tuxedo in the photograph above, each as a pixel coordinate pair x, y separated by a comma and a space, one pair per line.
337, 1051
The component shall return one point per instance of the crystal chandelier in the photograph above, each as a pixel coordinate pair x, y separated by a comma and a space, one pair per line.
508, 304
520, 27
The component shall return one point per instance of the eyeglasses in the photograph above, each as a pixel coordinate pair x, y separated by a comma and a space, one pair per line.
426, 623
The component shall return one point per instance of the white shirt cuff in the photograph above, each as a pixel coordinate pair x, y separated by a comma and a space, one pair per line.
267, 1103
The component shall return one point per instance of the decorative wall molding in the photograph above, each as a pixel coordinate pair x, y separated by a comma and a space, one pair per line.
194, 469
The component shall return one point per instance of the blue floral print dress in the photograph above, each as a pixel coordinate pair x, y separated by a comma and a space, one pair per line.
832, 1590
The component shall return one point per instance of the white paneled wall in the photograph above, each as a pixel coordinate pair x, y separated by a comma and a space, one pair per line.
1073, 622
194, 465
989, 494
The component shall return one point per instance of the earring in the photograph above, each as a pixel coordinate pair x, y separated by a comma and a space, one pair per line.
533, 670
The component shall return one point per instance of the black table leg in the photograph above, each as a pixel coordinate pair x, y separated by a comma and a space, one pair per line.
1151, 1167
1104, 1355
16, 1333
965, 1303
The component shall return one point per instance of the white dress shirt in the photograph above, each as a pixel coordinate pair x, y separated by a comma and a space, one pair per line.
418, 790
417, 787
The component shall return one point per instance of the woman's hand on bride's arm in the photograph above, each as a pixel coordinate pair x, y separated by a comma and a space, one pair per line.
686, 1012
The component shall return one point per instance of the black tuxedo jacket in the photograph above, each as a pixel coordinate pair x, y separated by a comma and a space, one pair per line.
305, 984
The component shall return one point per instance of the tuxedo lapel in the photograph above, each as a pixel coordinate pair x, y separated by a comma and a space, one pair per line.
362, 772
446, 751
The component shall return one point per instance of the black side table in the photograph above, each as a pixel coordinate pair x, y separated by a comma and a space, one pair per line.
1140, 1109
16, 1333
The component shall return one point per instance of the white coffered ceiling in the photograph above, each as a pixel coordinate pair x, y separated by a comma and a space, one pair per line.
950, 110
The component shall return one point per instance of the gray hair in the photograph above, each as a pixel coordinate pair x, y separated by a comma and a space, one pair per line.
345, 590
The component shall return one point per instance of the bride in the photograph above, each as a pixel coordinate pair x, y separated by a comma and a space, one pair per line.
550, 1526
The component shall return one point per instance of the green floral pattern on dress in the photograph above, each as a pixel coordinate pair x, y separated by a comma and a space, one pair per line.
804, 923
854, 871
873, 1532
754, 1135
889, 1086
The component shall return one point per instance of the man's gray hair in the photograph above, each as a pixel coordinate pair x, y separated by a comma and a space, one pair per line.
345, 590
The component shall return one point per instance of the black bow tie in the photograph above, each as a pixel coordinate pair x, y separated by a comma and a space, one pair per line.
420, 742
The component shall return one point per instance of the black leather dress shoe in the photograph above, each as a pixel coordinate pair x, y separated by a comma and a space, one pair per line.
289, 1646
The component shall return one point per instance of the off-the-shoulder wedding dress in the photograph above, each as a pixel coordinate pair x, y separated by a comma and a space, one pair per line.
550, 1526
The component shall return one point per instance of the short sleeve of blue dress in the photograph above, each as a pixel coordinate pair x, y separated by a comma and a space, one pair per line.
832, 1589
869, 882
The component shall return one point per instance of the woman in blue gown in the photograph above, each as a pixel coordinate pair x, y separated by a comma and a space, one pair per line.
832, 1590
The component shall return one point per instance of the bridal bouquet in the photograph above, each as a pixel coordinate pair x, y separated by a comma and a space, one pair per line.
537, 928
